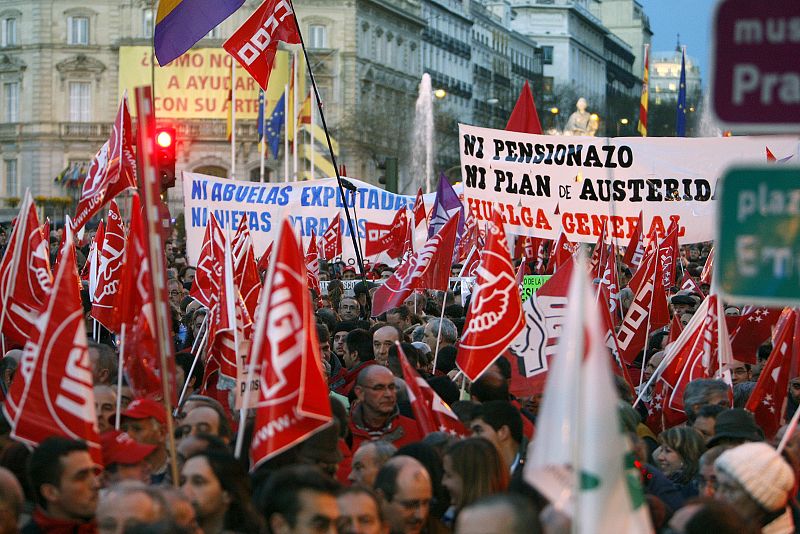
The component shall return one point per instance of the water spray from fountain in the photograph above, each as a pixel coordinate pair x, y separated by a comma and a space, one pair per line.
708, 125
422, 142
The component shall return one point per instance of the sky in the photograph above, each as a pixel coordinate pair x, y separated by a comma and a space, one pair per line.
690, 18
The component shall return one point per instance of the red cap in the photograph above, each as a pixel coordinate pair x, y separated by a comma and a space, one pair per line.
349, 268
144, 408
120, 448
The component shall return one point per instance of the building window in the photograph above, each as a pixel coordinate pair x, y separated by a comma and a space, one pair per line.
11, 177
8, 32
147, 23
11, 101
78, 30
547, 55
319, 36
80, 100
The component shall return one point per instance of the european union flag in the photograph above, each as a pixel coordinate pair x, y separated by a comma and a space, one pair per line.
274, 126
680, 118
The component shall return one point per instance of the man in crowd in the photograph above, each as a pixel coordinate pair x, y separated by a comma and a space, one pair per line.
360, 512
131, 505
357, 356
499, 514
349, 309
703, 391
301, 499
205, 418
368, 460
375, 415
146, 422
405, 489
105, 406
383, 339
11, 501
399, 317
500, 423
103, 362
66, 483
449, 335
124, 458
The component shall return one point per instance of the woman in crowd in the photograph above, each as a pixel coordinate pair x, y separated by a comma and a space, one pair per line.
219, 489
472, 469
678, 457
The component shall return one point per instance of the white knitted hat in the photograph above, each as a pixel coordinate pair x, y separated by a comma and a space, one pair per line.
761, 471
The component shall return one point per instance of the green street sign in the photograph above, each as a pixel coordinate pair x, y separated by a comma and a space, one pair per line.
532, 282
757, 257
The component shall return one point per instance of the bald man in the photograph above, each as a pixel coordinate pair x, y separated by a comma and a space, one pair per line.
375, 415
405, 489
11, 500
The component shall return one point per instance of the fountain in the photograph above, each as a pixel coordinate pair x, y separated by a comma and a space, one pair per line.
707, 125
422, 141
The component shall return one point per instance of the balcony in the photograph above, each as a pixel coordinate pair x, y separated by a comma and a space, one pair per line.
445, 42
84, 130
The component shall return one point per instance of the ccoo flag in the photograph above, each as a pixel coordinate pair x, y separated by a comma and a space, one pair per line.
181, 23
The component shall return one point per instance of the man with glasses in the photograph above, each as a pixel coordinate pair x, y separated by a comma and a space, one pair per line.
176, 293
349, 309
375, 414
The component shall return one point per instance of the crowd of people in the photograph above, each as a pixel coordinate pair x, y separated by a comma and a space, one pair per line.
373, 470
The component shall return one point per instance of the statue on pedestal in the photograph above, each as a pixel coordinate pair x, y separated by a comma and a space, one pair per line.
581, 122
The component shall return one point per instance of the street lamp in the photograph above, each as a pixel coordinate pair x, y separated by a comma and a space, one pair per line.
624, 122
440, 93
553, 114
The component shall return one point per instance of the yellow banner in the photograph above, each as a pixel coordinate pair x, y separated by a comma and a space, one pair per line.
196, 85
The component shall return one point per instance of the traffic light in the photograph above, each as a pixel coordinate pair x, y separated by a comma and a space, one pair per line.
389, 176
165, 156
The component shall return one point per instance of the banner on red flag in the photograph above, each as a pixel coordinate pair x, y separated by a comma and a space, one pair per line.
58, 398
332, 239
208, 272
255, 43
387, 238
495, 314
312, 265
635, 251
109, 271
293, 396
245, 270
111, 171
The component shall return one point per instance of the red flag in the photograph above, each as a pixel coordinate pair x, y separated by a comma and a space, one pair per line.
471, 237
766, 400
524, 118
111, 171
420, 215
753, 328
136, 311
495, 313
428, 268
208, 272
688, 283
408, 242
562, 252
675, 329
708, 268
57, 399
649, 308
696, 353
312, 264
229, 326
263, 261
609, 280
245, 270
542, 254
293, 396
109, 271
387, 238
255, 43
599, 252
332, 239
430, 411
26, 277
635, 251
669, 255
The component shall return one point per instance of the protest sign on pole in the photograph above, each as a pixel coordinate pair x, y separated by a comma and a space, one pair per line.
599, 181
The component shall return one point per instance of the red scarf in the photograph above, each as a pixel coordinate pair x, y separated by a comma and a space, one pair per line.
51, 525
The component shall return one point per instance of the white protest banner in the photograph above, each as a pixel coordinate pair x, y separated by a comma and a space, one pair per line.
310, 205
593, 180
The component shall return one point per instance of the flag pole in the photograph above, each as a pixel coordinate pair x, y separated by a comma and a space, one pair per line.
120, 368
311, 135
233, 119
286, 134
439, 333
262, 145
202, 336
350, 224
295, 144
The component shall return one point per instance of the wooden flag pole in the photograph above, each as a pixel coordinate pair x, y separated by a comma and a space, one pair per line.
149, 184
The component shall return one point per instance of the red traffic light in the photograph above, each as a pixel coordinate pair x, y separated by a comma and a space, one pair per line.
164, 139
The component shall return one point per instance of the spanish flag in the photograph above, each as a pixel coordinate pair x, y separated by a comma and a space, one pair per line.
181, 23
642, 126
